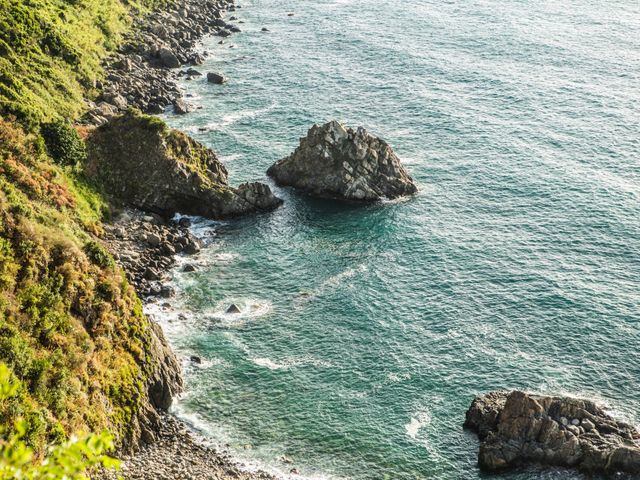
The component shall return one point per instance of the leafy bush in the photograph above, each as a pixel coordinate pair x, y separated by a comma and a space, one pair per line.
98, 255
63, 143
70, 460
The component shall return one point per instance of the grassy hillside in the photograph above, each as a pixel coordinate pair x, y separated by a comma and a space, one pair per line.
71, 328
50, 52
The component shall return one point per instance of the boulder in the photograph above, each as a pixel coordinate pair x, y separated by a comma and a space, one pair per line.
233, 308
337, 162
516, 429
180, 107
141, 162
216, 78
168, 58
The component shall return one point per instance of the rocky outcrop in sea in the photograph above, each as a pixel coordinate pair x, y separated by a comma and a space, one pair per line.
337, 162
517, 429
140, 162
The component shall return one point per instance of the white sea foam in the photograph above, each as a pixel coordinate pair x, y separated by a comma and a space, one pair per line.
250, 309
418, 421
398, 377
290, 363
270, 364
235, 117
350, 272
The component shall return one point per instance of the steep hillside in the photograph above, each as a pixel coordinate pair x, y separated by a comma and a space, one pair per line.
51, 50
71, 328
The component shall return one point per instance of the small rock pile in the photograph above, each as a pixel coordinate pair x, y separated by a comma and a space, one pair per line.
140, 74
145, 247
517, 429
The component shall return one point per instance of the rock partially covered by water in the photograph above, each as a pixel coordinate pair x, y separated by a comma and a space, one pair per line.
337, 162
517, 428
139, 161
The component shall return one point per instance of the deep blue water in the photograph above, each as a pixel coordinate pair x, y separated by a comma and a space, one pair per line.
366, 331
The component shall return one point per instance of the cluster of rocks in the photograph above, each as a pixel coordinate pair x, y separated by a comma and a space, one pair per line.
141, 74
337, 162
517, 429
179, 454
145, 247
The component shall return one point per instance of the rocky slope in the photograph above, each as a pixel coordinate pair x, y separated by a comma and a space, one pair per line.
337, 162
517, 428
142, 73
142, 163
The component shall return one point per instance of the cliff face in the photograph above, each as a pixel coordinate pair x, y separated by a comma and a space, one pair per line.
71, 327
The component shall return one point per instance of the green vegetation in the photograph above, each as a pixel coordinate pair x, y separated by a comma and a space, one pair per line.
63, 143
72, 332
50, 53
69, 460
71, 328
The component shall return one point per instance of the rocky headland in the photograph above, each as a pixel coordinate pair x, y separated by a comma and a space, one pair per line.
149, 173
518, 429
141, 162
341, 163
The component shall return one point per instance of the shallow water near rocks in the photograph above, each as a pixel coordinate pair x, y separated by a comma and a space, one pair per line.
365, 331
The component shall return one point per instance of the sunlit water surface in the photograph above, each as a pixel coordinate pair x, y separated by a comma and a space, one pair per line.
366, 331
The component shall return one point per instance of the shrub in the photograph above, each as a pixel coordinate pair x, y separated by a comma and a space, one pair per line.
69, 460
98, 255
64, 145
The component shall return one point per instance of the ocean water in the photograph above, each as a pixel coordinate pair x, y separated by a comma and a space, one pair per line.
366, 331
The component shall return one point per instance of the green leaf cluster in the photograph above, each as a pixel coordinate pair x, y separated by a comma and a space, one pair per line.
70, 460
64, 145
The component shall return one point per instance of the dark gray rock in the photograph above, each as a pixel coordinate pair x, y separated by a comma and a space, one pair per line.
233, 308
168, 58
180, 107
517, 429
216, 78
337, 162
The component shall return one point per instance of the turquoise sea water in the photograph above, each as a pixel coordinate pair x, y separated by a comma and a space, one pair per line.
366, 331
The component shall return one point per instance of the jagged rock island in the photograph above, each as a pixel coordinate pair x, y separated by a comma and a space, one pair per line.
337, 162
517, 429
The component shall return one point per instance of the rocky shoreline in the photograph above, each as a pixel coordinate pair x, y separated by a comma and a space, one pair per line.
143, 75
515, 429
181, 454
143, 72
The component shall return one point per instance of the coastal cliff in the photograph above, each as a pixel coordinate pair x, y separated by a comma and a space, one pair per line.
72, 330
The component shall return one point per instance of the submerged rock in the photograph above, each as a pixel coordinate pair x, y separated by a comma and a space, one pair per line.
337, 162
141, 162
517, 428
233, 308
